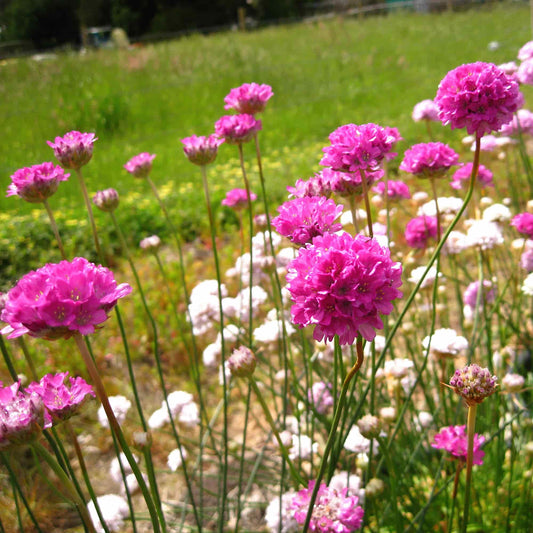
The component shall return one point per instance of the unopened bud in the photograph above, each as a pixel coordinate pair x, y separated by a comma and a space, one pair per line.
241, 362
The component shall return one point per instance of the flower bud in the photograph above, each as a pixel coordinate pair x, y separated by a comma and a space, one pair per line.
106, 200
369, 426
241, 362
474, 383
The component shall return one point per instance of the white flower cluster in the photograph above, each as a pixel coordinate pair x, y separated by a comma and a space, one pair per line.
182, 407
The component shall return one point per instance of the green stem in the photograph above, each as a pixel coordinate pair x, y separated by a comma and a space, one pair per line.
364, 183
28, 358
7, 360
55, 229
470, 428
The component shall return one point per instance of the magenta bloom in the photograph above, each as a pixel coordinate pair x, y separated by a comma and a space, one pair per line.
341, 284
317, 185
479, 97
106, 200
419, 230
358, 147
524, 74
319, 395
425, 110
523, 222
74, 149
61, 298
249, 98
523, 125
237, 129
463, 173
453, 440
36, 183
238, 198
334, 511
302, 219
140, 166
394, 189
62, 396
21, 416
429, 160
350, 183
471, 292
526, 52
201, 150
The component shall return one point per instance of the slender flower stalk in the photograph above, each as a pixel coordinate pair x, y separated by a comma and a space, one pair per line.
470, 430
55, 229
367, 202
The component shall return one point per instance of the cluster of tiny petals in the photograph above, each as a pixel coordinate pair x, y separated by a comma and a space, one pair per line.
237, 198
395, 189
140, 165
302, 219
237, 129
106, 200
523, 222
61, 298
201, 150
453, 440
348, 184
62, 395
317, 185
524, 74
474, 383
477, 96
522, 123
429, 160
341, 284
425, 110
359, 147
463, 173
420, 230
241, 363
470, 295
526, 52
74, 149
250, 98
333, 512
36, 183
151, 243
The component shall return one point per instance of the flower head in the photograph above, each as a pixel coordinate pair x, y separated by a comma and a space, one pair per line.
238, 198
419, 230
317, 185
334, 511
426, 110
237, 129
429, 160
350, 183
106, 200
61, 298
319, 395
522, 123
241, 362
463, 173
113, 509
524, 74
341, 284
201, 150
302, 219
453, 440
394, 189
358, 147
74, 149
474, 383
250, 98
470, 295
152, 243
140, 166
526, 52
477, 96
523, 222
445, 342
36, 183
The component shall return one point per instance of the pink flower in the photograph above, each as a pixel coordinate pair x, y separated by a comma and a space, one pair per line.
425, 110
419, 230
62, 396
319, 395
238, 198
464, 172
477, 96
74, 149
333, 512
523, 222
429, 160
302, 219
526, 52
358, 147
237, 129
394, 189
36, 183
341, 284
453, 440
524, 74
349, 183
21, 416
61, 298
317, 185
201, 150
106, 200
140, 166
473, 383
250, 98
523, 125
470, 294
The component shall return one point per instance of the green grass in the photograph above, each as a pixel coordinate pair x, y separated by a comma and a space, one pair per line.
324, 74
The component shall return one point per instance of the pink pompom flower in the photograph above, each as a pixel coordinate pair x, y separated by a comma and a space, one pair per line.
36, 183
74, 149
522, 123
140, 166
62, 395
341, 284
302, 219
419, 230
333, 511
237, 129
61, 298
523, 222
317, 185
249, 98
21, 416
464, 172
524, 74
320, 397
356, 147
477, 96
201, 150
350, 183
429, 160
238, 198
453, 440
526, 52
393, 189
425, 110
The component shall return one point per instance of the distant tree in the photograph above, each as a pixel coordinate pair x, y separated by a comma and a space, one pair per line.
94, 13
134, 16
